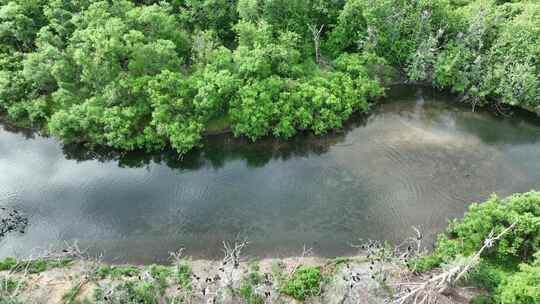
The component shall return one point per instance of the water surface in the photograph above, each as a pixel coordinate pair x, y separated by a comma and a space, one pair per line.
419, 159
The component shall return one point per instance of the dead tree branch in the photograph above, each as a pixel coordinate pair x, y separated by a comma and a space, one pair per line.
428, 291
316, 32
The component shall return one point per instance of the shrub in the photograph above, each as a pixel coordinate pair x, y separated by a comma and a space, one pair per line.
523, 286
499, 270
425, 263
10, 290
488, 276
7, 264
303, 283
466, 236
250, 297
36, 266
482, 300
160, 274
119, 271
183, 274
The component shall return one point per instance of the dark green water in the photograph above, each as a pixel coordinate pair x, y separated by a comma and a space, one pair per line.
419, 159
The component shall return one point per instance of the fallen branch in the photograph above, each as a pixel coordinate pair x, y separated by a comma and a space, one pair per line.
428, 291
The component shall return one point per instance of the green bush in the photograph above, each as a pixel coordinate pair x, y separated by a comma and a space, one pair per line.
488, 276
466, 236
10, 289
130, 291
510, 269
120, 271
7, 263
183, 274
161, 274
523, 287
424, 263
248, 295
37, 266
143, 292
9, 285
482, 300
304, 282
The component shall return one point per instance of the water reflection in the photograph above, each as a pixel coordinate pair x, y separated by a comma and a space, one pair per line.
419, 159
219, 149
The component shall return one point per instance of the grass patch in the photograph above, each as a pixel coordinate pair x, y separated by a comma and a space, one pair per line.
34, 266
248, 295
131, 292
9, 290
304, 282
488, 276
183, 274
127, 270
7, 264
161, 274
482, 300
71, 295
10, 285
424, 263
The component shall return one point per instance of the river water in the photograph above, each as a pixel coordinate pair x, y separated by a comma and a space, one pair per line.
419, 159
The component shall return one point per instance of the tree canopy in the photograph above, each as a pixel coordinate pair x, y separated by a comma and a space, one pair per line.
146, 74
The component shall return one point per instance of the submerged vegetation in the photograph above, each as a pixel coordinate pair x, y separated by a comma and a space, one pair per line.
145, 74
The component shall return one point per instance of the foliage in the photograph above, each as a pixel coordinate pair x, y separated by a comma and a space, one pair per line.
250, 297
523, 286
71, 295
149, 74
183, 275
33, 266
482, 300
303, 283
134, 286
10, 285
131, 292
488, 275
509, 269
283, 106
218, 15
161, 274
7, 264
466, 236
489, 54
10, 290
424, 263
119, 271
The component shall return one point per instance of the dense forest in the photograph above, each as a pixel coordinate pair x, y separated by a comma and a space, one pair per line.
146, 74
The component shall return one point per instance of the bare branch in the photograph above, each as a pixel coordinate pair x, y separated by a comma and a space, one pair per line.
428, 291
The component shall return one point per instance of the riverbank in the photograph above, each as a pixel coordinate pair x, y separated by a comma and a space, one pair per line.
289, 280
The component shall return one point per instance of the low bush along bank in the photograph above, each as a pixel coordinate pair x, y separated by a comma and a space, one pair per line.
144, 74
510, 269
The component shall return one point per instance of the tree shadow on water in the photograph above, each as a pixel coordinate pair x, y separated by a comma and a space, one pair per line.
215, 152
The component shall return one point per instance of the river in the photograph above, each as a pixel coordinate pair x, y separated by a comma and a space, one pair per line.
418, 160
